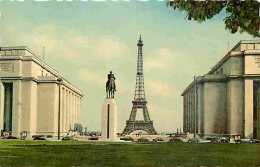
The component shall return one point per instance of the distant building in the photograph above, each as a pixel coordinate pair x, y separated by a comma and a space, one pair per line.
35, 98
227, 97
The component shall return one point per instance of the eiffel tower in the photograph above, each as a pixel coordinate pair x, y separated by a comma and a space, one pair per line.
139, 100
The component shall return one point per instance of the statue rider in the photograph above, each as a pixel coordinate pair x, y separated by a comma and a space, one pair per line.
110, 85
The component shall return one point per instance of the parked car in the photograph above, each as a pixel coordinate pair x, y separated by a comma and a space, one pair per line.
93, 138
127, 138
158, 139
143, 139
213, 139
68, 138
175, 140
244, 141
10, 137
223, 140
254, 141
38, 138
194, 140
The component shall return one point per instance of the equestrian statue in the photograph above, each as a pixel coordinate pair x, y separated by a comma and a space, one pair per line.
110, 85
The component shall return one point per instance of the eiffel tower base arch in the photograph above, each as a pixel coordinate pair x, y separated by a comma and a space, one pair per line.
146, 126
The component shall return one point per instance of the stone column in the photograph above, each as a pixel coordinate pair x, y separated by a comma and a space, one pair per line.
76, 113
186, 117
73, 110
62, 109
79, 109
16, 110
237, 106
67, 111
249, 108
80, 112
1, 106
190, 112
71, 126
184, 114
199, 109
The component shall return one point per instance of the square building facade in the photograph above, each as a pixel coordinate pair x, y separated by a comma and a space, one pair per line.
35, 98
226, 100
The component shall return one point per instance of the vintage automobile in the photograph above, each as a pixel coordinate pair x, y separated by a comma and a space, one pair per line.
93, 138
37, 137
254, 141
158, 139
223, 140
213, 139
68, 138
143, 139
194, 140
175, 140
245, 141
10, 137
127, 138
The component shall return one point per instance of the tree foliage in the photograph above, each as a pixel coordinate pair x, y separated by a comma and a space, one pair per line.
243, 16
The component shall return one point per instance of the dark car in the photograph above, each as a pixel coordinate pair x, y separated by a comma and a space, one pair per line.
175, 140
38, 138
212, 139
127, 138
143, 139
223, 140
93, 138
68, 138
194, 140
158, 139
10, 137
254, 141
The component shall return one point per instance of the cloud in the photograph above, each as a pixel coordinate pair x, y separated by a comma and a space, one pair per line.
77, 40
159, 88
161, 59
65, 47
91, 78
108, 48
159, 111
71, 47
163, 89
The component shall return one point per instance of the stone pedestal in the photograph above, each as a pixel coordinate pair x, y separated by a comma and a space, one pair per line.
109, 120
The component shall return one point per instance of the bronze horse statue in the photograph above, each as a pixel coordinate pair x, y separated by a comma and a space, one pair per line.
110, 85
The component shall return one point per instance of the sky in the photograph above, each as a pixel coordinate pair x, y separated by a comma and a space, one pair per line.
85, 40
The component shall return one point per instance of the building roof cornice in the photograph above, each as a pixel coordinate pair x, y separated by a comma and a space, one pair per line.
35, 58
233, 52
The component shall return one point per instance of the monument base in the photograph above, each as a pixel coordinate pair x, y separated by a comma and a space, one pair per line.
109, 120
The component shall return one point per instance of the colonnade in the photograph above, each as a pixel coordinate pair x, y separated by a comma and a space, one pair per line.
189, 112
70, 112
